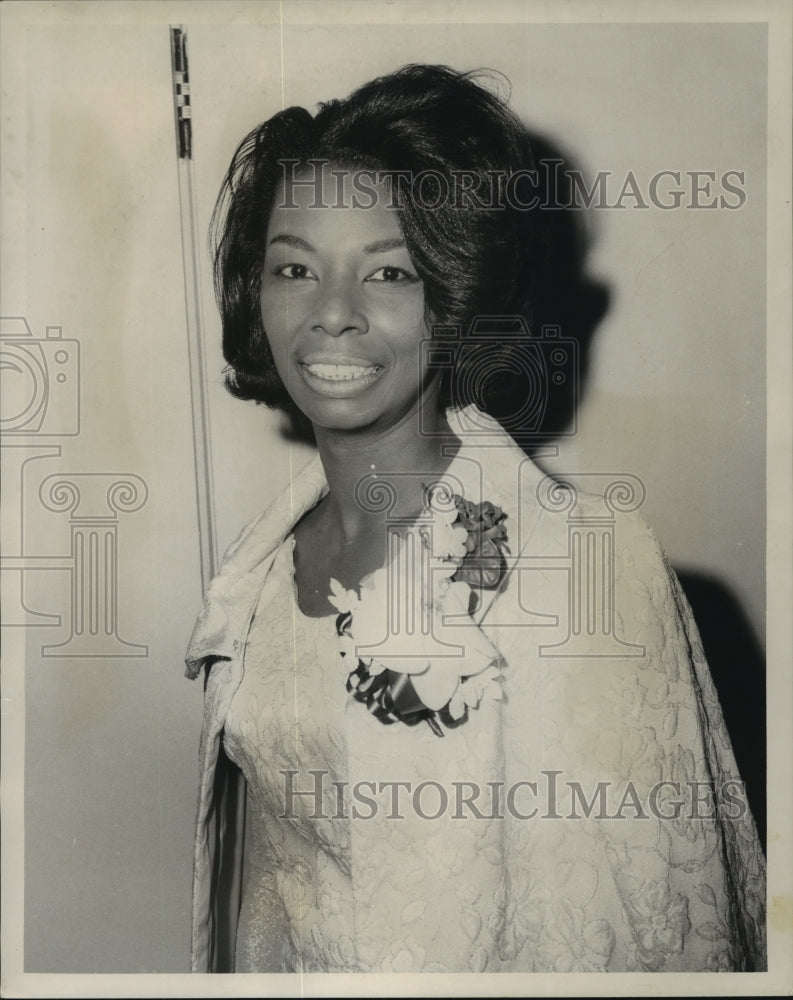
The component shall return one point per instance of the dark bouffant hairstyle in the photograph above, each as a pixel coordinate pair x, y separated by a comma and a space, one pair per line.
472, 260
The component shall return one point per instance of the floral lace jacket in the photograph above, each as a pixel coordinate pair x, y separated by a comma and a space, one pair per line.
615, 837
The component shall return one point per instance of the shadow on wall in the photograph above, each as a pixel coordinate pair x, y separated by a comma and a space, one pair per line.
565, 306
737, 664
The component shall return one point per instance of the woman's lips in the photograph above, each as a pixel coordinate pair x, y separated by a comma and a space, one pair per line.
339, 378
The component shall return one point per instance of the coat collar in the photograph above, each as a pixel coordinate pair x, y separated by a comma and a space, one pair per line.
489, 465
230, 599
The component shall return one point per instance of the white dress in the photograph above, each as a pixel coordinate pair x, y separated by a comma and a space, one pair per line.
590, 820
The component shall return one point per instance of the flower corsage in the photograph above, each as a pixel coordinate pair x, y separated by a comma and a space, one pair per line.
418, 654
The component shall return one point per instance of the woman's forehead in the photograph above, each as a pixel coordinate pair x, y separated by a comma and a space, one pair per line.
334, 203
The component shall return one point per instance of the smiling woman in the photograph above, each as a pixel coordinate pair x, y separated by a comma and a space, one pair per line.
391, 596
344, 313
343, 308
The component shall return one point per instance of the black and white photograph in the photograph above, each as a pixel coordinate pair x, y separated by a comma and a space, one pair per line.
396, 484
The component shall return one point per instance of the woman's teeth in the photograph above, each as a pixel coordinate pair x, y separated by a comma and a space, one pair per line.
340, 373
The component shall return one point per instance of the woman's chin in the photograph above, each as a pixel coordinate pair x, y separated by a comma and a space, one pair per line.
343, 423
356, 416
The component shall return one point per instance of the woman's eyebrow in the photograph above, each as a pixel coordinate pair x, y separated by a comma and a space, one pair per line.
380, 246
292, 241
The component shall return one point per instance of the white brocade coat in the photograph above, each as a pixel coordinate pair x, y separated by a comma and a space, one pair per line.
613, 836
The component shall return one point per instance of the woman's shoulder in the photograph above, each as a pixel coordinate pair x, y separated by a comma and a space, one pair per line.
270, 526
220, 627
541, 507
582, 551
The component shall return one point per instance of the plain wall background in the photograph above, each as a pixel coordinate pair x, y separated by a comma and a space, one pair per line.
675, 395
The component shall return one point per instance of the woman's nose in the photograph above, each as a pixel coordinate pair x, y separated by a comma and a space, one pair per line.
338, 309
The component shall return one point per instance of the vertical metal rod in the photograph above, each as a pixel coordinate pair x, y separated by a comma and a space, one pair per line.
192, 290
231, 834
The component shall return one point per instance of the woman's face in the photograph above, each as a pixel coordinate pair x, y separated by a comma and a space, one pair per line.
343, 308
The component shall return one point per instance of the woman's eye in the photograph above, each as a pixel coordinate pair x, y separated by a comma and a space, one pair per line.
390, 273
293, 272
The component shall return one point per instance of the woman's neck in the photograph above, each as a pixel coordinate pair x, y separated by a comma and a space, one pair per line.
365, 467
